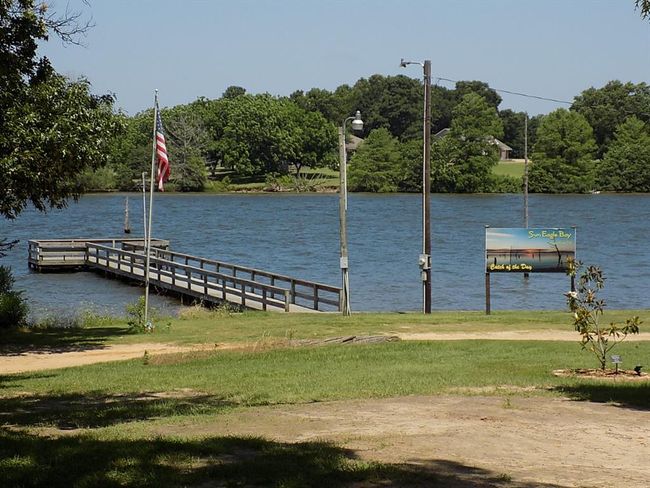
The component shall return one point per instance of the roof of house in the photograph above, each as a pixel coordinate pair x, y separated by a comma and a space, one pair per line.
353, 142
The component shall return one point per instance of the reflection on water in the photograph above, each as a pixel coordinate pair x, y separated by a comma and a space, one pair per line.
298, 235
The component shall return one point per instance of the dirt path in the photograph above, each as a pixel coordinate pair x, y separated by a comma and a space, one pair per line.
26, 362
30, 361
532, 441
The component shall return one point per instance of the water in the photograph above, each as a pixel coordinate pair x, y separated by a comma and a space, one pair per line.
298, 235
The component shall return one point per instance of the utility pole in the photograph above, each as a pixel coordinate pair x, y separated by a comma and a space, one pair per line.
425, 257
426, 189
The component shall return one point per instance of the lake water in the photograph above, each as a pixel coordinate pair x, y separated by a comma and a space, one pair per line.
298, 235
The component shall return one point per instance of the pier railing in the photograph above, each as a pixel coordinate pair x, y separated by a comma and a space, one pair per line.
201, 283
305, 293
70, 253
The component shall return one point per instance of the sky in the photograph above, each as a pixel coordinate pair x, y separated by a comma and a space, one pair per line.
533, 238
189, 48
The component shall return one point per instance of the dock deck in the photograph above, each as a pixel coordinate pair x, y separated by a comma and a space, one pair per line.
204, 280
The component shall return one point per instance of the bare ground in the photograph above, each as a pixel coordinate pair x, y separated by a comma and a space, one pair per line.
535, 441
532, 441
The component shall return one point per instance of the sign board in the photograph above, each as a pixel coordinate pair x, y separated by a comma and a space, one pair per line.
616, 359
512, 250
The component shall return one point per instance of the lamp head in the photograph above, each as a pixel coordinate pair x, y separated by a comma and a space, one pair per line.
357, 123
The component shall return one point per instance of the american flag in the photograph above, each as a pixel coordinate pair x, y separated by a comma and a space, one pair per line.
161, 153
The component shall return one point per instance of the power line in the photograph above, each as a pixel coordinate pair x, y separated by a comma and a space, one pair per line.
513, 92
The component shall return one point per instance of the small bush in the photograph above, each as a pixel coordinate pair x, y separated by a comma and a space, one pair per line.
13, 310
6, 280
13, 307
135, 317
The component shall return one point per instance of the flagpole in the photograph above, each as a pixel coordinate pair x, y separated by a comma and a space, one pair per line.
151, 190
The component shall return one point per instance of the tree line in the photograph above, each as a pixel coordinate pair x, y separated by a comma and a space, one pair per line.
598, 143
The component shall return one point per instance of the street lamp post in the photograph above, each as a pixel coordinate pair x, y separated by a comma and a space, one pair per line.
425, 257
357, 124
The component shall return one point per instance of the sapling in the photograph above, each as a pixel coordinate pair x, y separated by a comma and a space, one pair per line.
588, 310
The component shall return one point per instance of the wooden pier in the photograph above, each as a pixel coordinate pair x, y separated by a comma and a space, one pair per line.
205, 280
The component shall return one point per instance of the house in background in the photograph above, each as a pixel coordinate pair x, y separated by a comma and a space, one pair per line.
503, 148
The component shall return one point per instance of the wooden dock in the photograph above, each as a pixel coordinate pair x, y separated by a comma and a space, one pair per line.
204, 280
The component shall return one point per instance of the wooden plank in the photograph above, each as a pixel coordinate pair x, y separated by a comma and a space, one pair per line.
194, 281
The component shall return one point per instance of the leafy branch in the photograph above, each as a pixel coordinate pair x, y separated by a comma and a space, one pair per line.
588, 310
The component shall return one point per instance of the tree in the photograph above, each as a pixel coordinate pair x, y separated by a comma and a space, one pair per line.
587, 313
563, 154
234, 92
188, 139
462, 161
607, 107
377, 164
480, 88
443, 101
644, 8
51, 129
626, 166
514, 124
390, 102
260, 134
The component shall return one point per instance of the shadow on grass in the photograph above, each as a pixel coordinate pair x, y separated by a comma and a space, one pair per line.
17, 342
29, 460
635, 395
89, 411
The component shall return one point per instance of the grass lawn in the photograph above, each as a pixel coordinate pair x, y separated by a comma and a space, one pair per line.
514, 169
120, 407
199, 326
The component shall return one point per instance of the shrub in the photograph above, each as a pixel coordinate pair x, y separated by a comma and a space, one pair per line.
588, 310
13, 307
135, 317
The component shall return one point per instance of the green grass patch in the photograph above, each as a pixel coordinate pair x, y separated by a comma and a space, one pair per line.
122, 406
307, 374
201, 326
514, 169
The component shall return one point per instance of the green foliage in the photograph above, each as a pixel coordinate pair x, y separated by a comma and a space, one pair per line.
626, 166
218, 186
389, 102
6, 280
462, 161
377, 164
233, 91
481, 89
255, 135
13, 307
300, 184
51, 128
587, 311
57, 131
563, 155
606, 108
100, 179
505, 184
135, 317
514, 128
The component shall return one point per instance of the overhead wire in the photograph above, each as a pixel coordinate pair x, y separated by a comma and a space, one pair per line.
527, 95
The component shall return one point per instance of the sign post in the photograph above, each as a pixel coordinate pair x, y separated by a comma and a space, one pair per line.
527, 250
